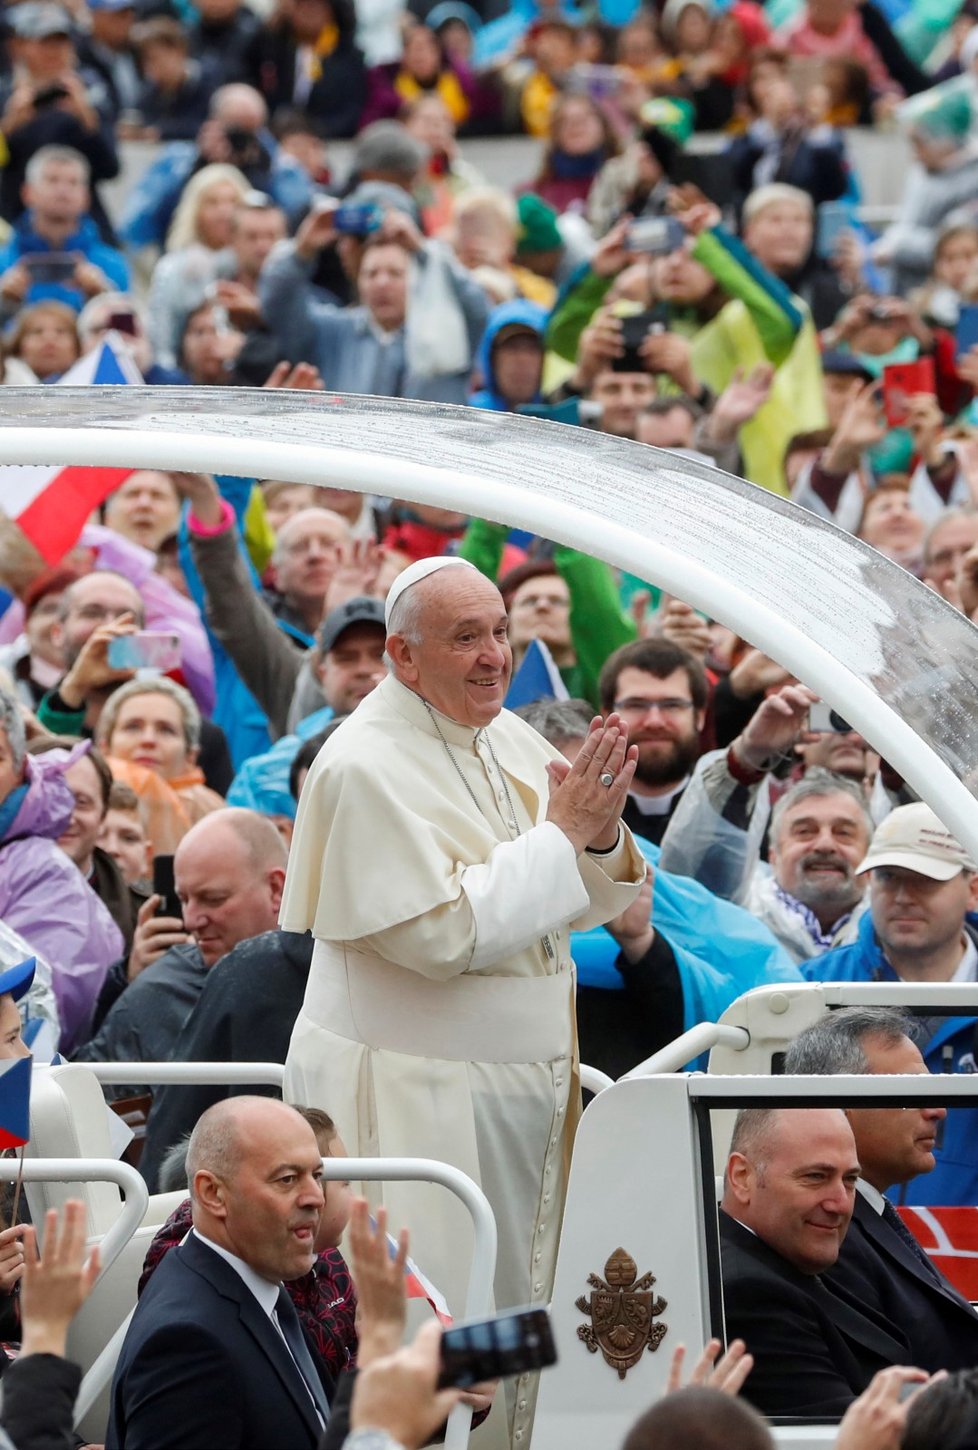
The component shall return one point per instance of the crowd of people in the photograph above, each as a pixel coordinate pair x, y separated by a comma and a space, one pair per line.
315, 833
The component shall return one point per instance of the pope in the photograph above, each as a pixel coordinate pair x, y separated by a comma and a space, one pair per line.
443, 853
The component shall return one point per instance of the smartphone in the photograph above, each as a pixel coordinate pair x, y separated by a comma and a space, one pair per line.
488, 1349
48, 95
50, 266
966, 335
165, 888
358, 221
145, 651
900, 382
600, 82
823, 718
656, 235
834, 218
124, 322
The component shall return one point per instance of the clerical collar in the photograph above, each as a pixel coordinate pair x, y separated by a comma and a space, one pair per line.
657, 805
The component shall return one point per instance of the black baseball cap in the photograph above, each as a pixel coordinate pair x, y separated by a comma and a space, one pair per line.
361, 610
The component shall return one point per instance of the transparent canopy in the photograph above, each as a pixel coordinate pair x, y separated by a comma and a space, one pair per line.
886, 652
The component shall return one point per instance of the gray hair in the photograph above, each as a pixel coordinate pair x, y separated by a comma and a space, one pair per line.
45, 156
835, 1043
389, 146
161, 685
406, 615
558, 721
774, 193
818, 783
946, 517
12, 725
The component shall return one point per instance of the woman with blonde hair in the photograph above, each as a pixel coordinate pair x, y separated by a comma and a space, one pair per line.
196, 253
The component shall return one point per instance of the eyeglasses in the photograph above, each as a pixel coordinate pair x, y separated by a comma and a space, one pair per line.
668, 708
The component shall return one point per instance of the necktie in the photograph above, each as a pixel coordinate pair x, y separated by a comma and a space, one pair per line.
288, 1323
896, 1223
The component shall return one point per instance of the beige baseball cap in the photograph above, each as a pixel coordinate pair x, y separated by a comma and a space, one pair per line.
913, 837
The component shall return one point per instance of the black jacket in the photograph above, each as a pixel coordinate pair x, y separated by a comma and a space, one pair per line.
39, 1401
878, 1268
815, 1346
335, 100
245, 1013
203, 1367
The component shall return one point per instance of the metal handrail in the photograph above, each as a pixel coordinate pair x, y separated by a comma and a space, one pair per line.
478, 1295
701, 1038
97, 1170
593, 1080
190, 1073
840, 1090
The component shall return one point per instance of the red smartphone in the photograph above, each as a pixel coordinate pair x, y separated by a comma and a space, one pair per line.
900, 382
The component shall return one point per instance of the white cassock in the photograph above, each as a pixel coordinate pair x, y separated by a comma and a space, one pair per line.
438, 1020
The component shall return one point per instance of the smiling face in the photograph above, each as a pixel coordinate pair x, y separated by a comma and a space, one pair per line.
462, 662
662, 721
796, 1190
894, 1144
820, 842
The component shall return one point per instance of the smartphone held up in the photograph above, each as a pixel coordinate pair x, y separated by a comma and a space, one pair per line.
517, 1342
145, 650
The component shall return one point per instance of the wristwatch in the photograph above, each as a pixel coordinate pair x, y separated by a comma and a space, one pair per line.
371, 1440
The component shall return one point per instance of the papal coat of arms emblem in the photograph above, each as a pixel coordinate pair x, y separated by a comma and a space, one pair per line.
622, 1310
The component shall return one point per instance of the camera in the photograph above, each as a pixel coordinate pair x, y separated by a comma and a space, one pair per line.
825, 720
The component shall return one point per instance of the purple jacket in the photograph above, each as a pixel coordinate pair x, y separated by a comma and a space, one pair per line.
44, 896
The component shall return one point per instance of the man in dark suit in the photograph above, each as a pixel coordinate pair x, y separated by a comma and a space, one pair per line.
788, 1200
215, 1358
880, 1261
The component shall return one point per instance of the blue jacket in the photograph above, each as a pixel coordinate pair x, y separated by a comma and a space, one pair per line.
527, 314
85, 240
951, 1049
721, 951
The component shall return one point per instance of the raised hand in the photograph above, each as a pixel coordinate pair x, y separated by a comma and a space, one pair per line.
586, 798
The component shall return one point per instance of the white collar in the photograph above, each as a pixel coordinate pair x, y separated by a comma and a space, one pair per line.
265, 1292
872, 1195
657, 805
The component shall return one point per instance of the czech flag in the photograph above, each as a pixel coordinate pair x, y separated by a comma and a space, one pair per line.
52, 505
15, 1102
